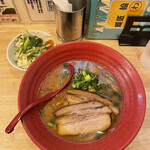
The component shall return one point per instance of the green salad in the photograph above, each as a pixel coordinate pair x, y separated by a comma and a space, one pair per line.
27, 48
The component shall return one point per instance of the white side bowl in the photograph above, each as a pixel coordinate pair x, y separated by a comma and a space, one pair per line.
10, 48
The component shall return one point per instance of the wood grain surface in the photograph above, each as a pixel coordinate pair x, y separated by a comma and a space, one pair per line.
10, 79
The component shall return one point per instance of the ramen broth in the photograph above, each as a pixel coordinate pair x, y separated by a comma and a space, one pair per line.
60, 75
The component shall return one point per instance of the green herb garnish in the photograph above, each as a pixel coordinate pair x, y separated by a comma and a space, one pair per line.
66, 72
115, 118
116, 104
65, 65
98, 136
62, 75
42, 113
51, 123
115, 93
108, 86
111, 78
87, 80
99, 67
61, 83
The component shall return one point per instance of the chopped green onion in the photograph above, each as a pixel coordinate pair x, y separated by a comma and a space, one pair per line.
99, 67
99, 82
109, 86
51, 123
116, 104
87, 80
42, 113
66, 72
115, 93
26, 43
102, 86
61, 83
62, 75
98, 136
85, 135
115, 118
111, 78
65, 65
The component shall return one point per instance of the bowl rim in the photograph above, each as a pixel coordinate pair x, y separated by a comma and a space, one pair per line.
115, 52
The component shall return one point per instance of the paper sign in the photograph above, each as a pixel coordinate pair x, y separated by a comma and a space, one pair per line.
40, 10
8, 12
120, 10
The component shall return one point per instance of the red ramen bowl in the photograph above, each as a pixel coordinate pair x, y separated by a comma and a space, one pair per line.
132, 89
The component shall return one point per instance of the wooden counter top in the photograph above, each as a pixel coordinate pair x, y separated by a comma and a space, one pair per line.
10, 79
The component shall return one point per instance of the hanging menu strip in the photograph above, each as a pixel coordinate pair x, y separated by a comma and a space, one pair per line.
39, 10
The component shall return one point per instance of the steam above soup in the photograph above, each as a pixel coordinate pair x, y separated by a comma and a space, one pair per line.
88, 108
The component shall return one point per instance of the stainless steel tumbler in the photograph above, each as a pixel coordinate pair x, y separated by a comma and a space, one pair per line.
70, 25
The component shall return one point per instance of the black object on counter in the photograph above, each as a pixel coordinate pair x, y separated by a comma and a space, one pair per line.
136, 31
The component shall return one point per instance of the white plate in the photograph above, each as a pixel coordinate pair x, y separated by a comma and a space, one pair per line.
43, 35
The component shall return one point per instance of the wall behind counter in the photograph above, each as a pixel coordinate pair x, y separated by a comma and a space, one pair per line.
29, 11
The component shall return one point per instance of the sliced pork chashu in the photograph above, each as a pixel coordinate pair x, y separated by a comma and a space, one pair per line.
89, 107
73, 99
79, 96
84, 125
83, 118
84, 95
